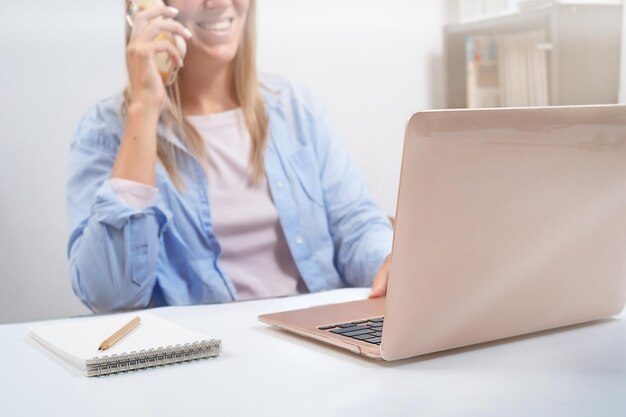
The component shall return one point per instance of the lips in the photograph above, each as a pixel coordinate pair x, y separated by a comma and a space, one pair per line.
220, 25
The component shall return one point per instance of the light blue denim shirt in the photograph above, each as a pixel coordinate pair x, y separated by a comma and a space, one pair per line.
167, 254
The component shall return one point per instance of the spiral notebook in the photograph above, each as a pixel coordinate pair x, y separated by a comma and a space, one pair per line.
155, 342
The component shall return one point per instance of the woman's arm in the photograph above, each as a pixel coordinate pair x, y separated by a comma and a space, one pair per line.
362, 233
137, 155
113, 248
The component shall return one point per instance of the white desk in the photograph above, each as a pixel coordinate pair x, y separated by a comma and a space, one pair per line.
580, 371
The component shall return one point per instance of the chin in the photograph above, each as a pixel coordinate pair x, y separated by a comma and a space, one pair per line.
218, 53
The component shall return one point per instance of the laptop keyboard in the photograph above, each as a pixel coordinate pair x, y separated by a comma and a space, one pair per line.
369, 330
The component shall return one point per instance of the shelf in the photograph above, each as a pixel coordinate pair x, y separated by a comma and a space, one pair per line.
506, 22
507, 19
582, 46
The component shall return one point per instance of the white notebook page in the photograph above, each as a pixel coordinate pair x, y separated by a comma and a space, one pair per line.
78, 340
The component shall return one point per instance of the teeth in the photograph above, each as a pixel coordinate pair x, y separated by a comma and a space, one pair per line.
217, 26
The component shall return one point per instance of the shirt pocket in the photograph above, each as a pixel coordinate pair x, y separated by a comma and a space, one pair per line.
305, 168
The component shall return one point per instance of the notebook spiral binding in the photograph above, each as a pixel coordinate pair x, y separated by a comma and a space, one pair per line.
152, 358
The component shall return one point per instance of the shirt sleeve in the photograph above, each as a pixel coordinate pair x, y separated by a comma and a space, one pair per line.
361, 231
113, 247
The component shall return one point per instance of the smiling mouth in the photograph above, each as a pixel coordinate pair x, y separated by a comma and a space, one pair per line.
219, 26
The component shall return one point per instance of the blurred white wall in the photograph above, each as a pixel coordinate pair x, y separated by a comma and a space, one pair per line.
372, 63
56, 58
622, 70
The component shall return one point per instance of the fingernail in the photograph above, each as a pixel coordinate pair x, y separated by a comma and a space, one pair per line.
173, 9
188, 33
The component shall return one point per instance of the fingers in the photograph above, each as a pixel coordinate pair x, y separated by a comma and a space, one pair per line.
143, 18
150, 50
155, 31
156, 27
148, 24
379, 284
379, 289
173, 52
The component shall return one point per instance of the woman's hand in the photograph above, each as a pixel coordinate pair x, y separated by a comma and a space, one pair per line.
146, 85
379, 285
137, 155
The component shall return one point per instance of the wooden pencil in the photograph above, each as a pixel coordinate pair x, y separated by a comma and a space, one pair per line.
127, 328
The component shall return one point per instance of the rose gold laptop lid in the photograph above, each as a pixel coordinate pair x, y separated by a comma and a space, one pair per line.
509, 221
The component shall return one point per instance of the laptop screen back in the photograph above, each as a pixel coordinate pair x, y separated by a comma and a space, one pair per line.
509, 221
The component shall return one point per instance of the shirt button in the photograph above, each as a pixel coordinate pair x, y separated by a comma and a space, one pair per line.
138, 215
299, 240
280, 184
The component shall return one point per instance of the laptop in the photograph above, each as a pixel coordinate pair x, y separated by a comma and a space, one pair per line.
508, 222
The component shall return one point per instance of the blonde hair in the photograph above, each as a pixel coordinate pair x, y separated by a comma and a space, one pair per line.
248, 93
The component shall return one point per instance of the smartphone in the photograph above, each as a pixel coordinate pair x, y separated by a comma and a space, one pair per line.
167, 68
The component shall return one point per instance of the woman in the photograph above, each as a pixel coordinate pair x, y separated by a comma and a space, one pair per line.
220, 187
